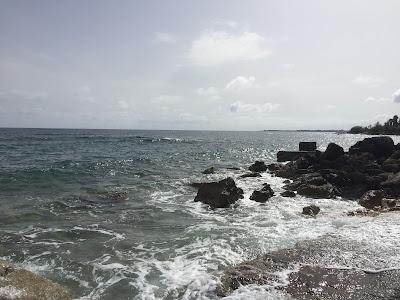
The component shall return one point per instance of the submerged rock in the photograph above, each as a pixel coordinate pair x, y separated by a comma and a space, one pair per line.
317, 191
311, 210
210, 170
29, 286
262, 195
372, 199
219, 194
253, 174
289, 194
117, 195
258, 166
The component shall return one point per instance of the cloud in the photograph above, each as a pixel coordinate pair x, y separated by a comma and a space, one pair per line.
22, 95
267, 107
85, 94
369, 81
288, 66
164, 38
240, 83
210, 92
220, 47
224, 22
396, 96
166, 99
379, 100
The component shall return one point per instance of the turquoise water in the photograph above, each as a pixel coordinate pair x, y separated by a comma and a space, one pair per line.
157, 244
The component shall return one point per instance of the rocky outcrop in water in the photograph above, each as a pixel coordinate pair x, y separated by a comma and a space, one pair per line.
309, 274
210, 170
262, 195
25, 285
258, 166
371, 164
311, 210
253, 174
219, 194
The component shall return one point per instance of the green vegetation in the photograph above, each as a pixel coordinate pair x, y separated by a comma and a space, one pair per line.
391, 126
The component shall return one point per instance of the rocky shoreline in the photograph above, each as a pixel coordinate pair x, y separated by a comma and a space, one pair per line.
368, 173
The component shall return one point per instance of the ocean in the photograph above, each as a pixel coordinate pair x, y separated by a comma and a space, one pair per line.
57, 220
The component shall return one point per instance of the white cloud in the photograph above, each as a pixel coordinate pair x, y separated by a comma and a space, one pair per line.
22, 95
396, 96
379, 100
267, 107
166, 99
85, 94
210, 92
223, 22
163, 37
288, 66
218, 47
240, 83
369, 81
122, 104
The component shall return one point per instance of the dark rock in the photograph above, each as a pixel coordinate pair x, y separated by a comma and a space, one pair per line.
258, 166
262, 195
196, 185
274, 167
292, 155
254, 174
393, 183
117, 195
382, 146
233, 168
391, 165
289, 194
311, 210
317, 191
219, 194
333, 152
372, 198
210, 170
307, 146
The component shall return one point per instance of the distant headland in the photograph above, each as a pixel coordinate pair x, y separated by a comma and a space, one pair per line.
390, 127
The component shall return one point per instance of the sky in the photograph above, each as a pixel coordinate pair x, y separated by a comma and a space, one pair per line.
199, 65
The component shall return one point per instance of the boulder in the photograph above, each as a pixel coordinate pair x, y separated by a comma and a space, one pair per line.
333, 152
29, 286
372, 198
311, 210
307, 146
210, 170
289, 194
117, 195
393, 183
391, 165
258, 166
262, 195
253, 174
219, 194
317, 191
381, 146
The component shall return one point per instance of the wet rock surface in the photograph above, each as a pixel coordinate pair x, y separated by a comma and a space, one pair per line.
258, 166
219, 194
210, 170
262, 195
29, 286
248, 175
289, 194
311, 210
311, 277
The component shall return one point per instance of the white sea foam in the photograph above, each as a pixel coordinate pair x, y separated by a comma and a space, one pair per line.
10, 293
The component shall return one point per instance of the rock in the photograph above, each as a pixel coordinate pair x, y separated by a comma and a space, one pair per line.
312, 278
307, 146
117, 195
258, 166
292, 155
363, 212
289, 194
381, 146
262, 195
393, 183
253, 174
333, 152
391, 165
196, 185
372, 198
311, 210
210, 170
233, 168
29, 286
219, 194
274, 167
317, 191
